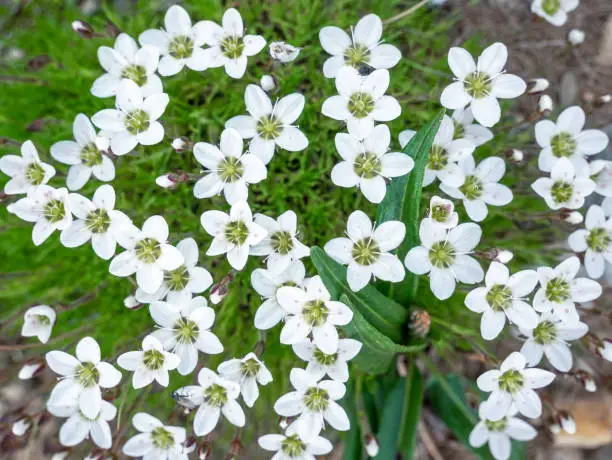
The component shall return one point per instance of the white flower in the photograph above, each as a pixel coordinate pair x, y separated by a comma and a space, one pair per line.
247, 372
513, 384
313, 402
293, 447
179, 285
283, 52
229, 47
361, 101
26, 172
367, 163
465, 128
321, 363
549, 337
554, 11
270, 125
566, 187
229, 170
134, 121
184, 329
82, 377
78, 427
38, 322
600, 171
155, 440
84, 155
180, 44
480, 187
444, 255
147, 254
266, 283
560, 289
444, 154
49, 208
366, 251
595, 239
233, 233
442, 212
503, 296
152, 363
281, 245
96, 220
362, 48
480, 85
567, 139
312, 310
576, 37
499, 433
125, 61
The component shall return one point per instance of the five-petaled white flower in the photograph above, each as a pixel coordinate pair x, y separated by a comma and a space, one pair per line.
79, 427
367, 163
229, 169
320, 363
465, 128
513, 384
234, 233
444, 255
554, 11
152, 363
595, 239
155, 440
269, 126
361, 101
81, 377
247, 372
442, 212
480, 85
38, 322
26, 172
366, 251
362, 48
566, 187
292, 447
134, 121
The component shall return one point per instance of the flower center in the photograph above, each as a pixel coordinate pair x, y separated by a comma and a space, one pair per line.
186, 331
236, 232
282, 242
550, 7
54, 210
162, 438
598, 239
98, 221
87, 375
316, 399
360, 104
315, 313
499, 297
557, 290
499, 425
42, 320
293, 446
544, 333
367, 165
563, 145
324, 358
365, 251
459, 130
232, 47
137, 121
136, 73
177, 279
269, 127
355, 55
250, 367
34, 174
472, 188
147, 250
442, 254
215, 395
440, 213
511, 381
562, 191
153, 359
478, 85
231, 169
438, 158
180, 47
90, 155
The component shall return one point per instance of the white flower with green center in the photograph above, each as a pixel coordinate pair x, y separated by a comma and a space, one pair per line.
215, 396
498, 434
292, 447
229, 169
549, 337
313, 403
480, 187
444, 254
280, 246
234, 233
600, 171
442, 212
47, 207
134, 121
480, 85
147, 254
246, 372
512, 384
554, 11
38, 322
595, 240
444, 155
155, 440
125, 61
366, 251
368, 164
82, 377
465, 128
180, 44
149, 364
184, 329
25, 171
96, 220
363, 48
229, 47
86, 155
312, 310
567, 139
321, 363
566, 187
560, 289
269, 126
361, 101
266, 283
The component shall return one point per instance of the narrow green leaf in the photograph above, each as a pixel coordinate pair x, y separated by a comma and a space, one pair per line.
353, 442
413, 399
391, 417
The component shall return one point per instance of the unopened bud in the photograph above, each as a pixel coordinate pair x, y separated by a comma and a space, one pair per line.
204, 451
554, 428
575, 37
420, 322
545, 104
220, 290
515, 155
371, 445
605, 349
504, 256
190, 445
131, 302
283, 52
180, 144
83, 28
165, 181
60, 455
283, 423
29, 370
268, 83
571, 217
586, 380
537, 85
112, 30
567, 422
401, 364
602, 100
20, 427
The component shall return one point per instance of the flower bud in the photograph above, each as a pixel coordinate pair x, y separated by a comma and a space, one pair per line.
204, 451
30, 369
420, 322
606, 98
575, 37
268, 83
180, 144
401, 365
112, 30
283, 52
60, 455
283, 423
567, 422
220, 290
586, 380
504, 256
537, 85
371, 445
605, 349
165, 181
517, 156
21, 426
131, 302
83, 28
571, 217
545, 104
554, 428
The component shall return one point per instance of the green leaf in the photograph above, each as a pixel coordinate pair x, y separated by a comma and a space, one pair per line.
413, 399
391, 417
402, 202
384, 314
353, 442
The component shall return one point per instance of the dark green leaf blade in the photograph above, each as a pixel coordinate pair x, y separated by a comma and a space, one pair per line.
413, 399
